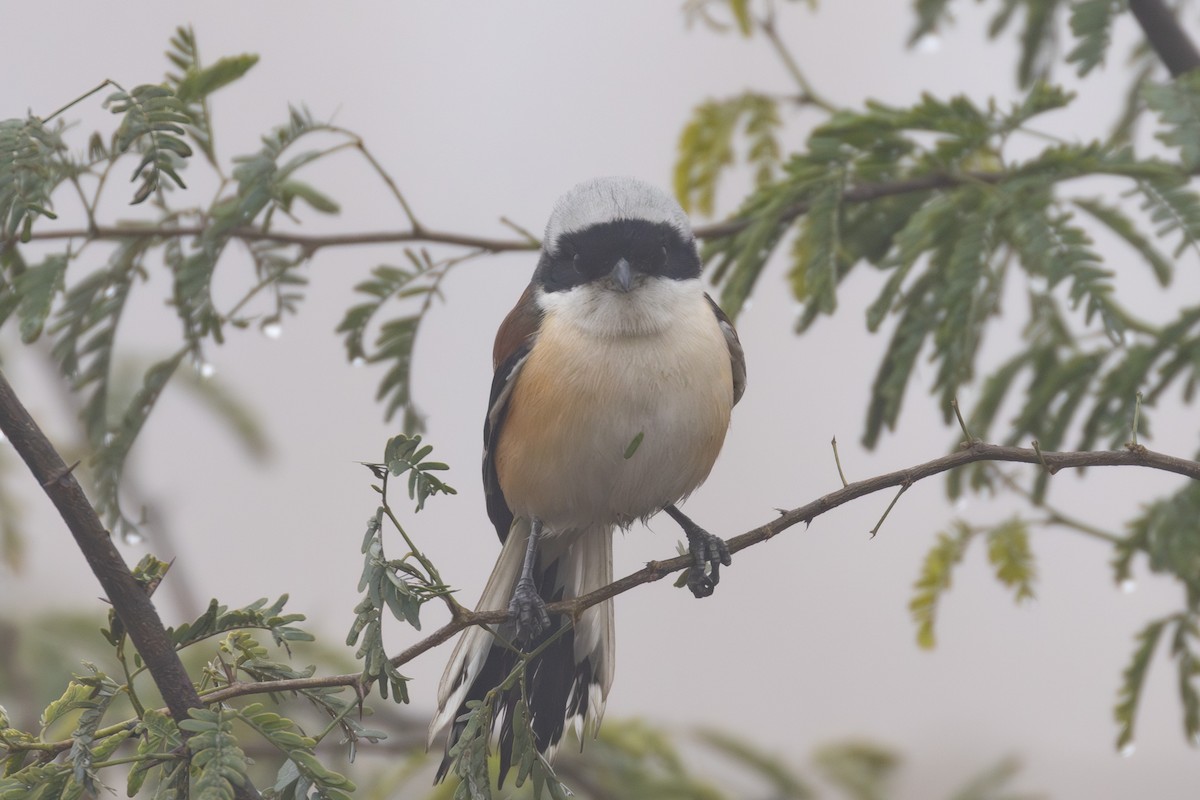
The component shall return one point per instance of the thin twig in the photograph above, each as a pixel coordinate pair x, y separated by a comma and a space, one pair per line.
838, 461
1053, 515
1137, 413
888, 510
808, 95
961, 422
1037, 448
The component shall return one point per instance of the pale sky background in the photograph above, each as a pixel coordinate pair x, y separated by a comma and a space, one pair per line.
482, 110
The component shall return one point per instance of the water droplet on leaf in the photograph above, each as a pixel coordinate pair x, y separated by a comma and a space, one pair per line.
357, 361
928, 44
1128, 749
272, 330
204, 368
133, 537
1128, 585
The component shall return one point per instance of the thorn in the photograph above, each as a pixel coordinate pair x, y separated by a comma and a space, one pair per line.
60, 476
1037, 448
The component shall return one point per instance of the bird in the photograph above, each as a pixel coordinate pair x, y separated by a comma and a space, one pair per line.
614, 379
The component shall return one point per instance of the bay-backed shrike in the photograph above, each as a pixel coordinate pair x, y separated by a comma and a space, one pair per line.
614, 380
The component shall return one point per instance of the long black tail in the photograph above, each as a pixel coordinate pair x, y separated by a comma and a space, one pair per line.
568, 680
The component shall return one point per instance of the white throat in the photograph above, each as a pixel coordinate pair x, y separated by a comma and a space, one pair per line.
655, 304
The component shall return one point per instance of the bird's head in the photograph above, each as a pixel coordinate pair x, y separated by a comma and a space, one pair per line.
616, 253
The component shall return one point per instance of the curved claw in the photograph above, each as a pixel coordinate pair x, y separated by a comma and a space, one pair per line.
529, 611
708, 553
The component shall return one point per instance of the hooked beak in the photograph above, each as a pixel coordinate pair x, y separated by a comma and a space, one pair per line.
622, 275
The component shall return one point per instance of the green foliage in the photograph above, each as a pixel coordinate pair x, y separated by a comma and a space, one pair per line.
1174, 209
1178, 105
935, 577
152, 121
1091, 23
309, 773
109, 461
1168, 533
400, 585
159, 738
35, 289
193, 82
860, 769
1009, 554
405, 455
706, 146
1134, 680
397, 336
930, 15
29, 173
218, 763
785, 783
218, 619
1038, 37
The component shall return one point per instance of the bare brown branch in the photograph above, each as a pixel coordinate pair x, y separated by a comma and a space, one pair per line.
130, 602
313, 242
1134, 456
1168, 38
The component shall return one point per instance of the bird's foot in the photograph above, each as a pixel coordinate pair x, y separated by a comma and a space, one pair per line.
708, 553
529, 611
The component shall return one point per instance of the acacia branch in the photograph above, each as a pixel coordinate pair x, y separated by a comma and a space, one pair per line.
861, 193
1132, 456
1168, 38
129, 600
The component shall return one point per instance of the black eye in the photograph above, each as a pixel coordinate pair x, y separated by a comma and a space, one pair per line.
658, 260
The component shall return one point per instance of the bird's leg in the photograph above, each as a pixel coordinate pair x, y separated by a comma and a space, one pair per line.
527, 606
708, 553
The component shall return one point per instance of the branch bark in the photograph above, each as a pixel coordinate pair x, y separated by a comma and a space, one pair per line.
1168, 38
130, 602
314, 242
1132, 456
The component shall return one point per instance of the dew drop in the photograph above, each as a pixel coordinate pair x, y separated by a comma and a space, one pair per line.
357, 361
1128, 749
747, 304
1128, 585
272, 330
928, 44
108, 437
961, 504
204, 368
110, 292
133, 537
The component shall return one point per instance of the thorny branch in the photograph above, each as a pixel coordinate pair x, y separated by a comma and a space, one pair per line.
1135, 456
312, 242
131, 603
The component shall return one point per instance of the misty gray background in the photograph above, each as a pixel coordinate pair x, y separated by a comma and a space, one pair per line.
487, 109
